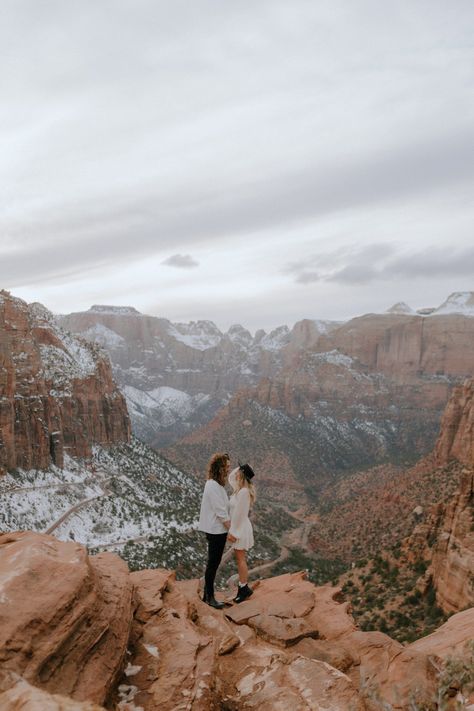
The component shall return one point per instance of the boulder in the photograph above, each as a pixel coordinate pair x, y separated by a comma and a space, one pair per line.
65, 617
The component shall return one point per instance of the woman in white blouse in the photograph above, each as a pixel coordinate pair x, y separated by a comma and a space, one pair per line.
214, 520
240, 531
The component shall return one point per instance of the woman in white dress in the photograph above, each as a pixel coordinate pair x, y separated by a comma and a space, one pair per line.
240, 531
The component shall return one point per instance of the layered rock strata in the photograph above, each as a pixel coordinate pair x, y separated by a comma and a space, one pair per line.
57, 393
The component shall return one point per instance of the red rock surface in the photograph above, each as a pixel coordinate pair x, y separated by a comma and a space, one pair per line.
56, 391
407, 345
64, 616
446, 537
446, 541
456, 440
65, 628
17, 695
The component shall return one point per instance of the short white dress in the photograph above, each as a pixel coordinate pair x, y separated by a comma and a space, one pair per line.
240, 525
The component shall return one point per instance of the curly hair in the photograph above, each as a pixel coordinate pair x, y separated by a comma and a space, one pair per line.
217, 467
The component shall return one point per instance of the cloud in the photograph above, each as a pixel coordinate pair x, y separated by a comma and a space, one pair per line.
356, 265
136, 223
352, 264
182, 261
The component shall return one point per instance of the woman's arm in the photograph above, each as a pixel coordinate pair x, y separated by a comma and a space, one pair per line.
240, 512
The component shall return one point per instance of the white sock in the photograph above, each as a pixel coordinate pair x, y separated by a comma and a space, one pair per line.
242, 585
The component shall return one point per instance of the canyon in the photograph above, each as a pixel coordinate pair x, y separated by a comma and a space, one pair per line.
307, 404
82, 628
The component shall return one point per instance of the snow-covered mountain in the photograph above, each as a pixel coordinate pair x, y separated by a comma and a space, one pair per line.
400, 308
459, 302
175, 376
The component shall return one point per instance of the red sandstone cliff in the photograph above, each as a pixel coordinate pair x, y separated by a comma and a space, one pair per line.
71, 624
456, 440
56, 391
446, 538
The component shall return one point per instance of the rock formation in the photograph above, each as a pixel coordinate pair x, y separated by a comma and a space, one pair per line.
82, 627
456, 440
56, 391
65, 617
351, 395
175, 376
452, 563
446, 538
326, 414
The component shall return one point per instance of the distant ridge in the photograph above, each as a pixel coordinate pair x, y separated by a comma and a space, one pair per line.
105, 309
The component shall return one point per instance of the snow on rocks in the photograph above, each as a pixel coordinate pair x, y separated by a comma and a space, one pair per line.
118, 310
104, 336
167, 404
401, 308
123, 493
200, 335
276, 339
459, 302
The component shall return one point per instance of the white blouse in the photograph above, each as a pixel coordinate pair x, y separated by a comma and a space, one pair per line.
214, 508
240, 525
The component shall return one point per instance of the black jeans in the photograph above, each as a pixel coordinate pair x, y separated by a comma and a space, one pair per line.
215, 549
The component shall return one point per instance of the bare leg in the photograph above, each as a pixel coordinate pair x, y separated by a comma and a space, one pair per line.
241, 559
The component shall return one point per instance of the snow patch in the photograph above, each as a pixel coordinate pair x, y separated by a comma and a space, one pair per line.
276, 339
106, 337
200, 335
334, 357
323, 326
460, 302
118, 310
400, 308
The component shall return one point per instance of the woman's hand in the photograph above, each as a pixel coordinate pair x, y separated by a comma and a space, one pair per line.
231, 538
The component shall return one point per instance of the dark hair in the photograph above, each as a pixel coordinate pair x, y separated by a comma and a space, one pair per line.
217, 467
247, 471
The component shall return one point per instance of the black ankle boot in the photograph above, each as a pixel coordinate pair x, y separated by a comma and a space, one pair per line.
212, 602
243, 593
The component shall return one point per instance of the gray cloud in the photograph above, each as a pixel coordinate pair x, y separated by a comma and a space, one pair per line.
110, 231
365, 265
182, 261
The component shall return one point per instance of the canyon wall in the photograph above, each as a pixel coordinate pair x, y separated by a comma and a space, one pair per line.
57, 393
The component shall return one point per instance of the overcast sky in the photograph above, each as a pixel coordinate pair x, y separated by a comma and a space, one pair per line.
254, 161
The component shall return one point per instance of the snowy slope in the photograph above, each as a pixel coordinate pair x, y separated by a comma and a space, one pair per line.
166, 405
401, 308
118, 310
460, 302
70, 357
104, 336
125, 494
199, 335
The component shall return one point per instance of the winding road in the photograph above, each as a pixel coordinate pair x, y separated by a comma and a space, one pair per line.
80, 505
